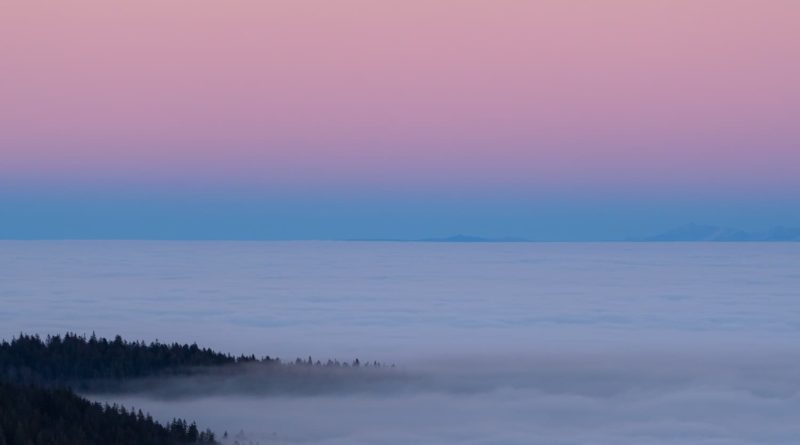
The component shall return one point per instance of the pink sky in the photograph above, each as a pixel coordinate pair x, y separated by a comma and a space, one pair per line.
426, 93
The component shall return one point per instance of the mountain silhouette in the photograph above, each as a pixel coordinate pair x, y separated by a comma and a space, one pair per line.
711, 233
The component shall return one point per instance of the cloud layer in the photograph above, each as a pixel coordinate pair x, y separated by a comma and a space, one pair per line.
562, 344
626, 399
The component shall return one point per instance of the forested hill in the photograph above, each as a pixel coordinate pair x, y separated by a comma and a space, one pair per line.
72, 358
37, 408
52, 416
91, 362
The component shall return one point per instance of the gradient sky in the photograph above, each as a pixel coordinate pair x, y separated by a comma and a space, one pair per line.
553, 120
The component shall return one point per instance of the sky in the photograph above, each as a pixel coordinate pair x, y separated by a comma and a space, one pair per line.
340, 119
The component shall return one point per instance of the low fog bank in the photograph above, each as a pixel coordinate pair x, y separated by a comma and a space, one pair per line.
261, 379
624, 398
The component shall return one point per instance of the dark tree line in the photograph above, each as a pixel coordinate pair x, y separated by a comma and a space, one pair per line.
77, 360
73, 358
32, 415
37, 406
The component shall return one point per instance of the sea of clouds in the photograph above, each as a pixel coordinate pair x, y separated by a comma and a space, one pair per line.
494, 343
612, 398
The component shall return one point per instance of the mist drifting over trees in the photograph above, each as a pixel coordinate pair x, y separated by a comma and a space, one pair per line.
38, 375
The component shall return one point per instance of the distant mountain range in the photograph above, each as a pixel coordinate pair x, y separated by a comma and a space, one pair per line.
473, 239
685, 233
449, 239
710, 233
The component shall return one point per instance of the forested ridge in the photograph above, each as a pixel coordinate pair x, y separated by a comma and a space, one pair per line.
37, 406
75, 358
32, 415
